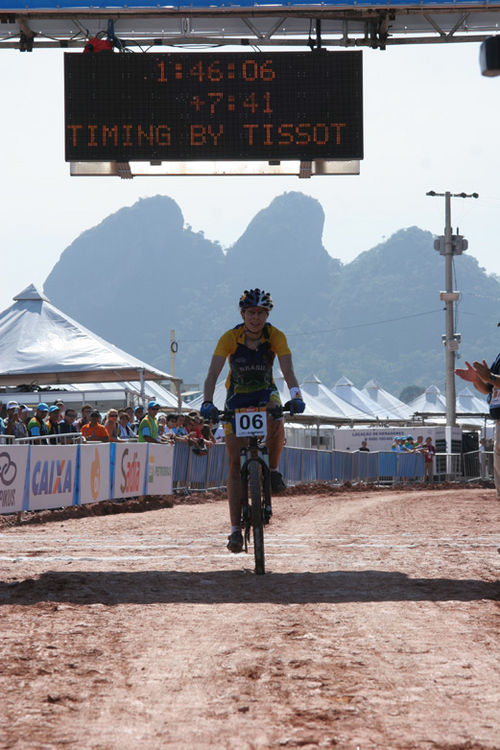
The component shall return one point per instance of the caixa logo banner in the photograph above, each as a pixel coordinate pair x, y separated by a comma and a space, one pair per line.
42, 477
52, 476
13, 461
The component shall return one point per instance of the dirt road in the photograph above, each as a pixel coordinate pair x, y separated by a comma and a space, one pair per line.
377, 626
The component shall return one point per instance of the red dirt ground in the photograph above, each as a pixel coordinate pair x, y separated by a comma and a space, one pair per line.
376, 625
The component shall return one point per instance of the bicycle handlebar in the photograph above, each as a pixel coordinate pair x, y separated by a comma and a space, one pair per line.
273, 411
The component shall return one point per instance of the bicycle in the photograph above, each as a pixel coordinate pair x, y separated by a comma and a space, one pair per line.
251, 423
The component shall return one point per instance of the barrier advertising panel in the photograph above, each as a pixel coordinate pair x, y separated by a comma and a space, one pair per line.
129, 470
382, 438
95, 482
52, 476
13, 462
160, 463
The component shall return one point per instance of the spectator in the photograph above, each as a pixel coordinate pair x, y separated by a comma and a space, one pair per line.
94, 430
181, 429
111, 425
53, 422
429, 453
125, 431
196, 424
148, 428
24, 415
409, 445
37, 426
363, 446
161, 419
483, 465
13, 424
419, 443
192, 436
207, 434
67, 426
138, 417
397, 444
85, 418
170, 431
61, 406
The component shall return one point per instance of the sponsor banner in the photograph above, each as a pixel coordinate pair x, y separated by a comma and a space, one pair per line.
160, 464
52, 476
13, 462
94, 473
130, 469
382, 438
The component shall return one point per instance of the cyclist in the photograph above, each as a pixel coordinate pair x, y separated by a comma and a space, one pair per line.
251, 347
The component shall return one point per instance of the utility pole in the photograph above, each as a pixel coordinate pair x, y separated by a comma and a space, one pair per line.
173, 351
449, 245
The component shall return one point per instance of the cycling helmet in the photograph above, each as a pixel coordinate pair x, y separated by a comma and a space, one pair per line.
256, 298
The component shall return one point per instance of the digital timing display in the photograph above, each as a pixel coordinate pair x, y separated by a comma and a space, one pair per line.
213, 106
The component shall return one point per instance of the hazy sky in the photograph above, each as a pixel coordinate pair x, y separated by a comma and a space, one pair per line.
430, 121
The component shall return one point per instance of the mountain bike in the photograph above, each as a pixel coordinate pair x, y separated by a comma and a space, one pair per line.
256, 507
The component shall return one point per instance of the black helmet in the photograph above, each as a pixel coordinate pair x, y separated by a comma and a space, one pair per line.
256, 298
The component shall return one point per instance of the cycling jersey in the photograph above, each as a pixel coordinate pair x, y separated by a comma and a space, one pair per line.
250, 380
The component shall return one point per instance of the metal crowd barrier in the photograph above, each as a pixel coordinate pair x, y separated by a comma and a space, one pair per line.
68, 438
478, 465
192, 471
195, 472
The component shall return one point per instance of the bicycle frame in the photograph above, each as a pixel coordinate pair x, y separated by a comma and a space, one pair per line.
254, 455
255, 484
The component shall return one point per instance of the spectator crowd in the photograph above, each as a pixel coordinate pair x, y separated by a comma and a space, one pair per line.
406, 444
58, 424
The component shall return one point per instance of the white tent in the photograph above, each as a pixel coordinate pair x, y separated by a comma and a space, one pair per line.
394, 408
313, 389
429, 402
345, 390
434, 402
40, 344
315, 407
469, 402
218, 398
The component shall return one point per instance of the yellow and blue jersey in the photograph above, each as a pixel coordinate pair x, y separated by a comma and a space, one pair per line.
250, 380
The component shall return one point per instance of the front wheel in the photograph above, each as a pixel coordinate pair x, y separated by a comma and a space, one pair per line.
254, 474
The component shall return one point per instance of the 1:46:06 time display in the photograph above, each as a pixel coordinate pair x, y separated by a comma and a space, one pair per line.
249, 70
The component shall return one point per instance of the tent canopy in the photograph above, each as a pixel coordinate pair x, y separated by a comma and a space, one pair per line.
343, 388
40, 344
316, 391
394, 408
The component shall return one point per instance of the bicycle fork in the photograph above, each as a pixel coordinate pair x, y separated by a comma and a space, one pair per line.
258, 454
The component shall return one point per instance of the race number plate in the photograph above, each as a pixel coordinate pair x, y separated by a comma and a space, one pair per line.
251, 422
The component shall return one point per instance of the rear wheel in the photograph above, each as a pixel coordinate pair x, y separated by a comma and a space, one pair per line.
254, 478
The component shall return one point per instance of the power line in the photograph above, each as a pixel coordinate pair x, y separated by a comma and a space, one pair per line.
366, 325
337, 328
